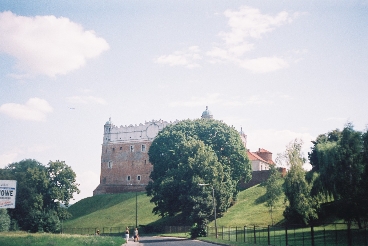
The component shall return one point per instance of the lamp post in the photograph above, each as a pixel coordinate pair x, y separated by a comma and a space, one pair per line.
214, 205
136, 204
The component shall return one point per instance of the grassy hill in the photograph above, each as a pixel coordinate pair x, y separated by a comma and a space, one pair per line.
118, 210
111, 210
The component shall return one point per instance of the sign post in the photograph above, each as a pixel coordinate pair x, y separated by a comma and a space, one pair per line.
8, 189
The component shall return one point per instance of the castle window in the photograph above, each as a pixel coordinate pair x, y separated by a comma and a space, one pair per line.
113, 149
121, 148
131, 148
138, 177
109, 164
145, 162
143, 148
128, 177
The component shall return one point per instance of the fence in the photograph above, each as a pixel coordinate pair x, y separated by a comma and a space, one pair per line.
332, 234
104, 231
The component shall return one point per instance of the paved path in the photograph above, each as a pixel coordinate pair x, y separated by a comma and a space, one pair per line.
158, 241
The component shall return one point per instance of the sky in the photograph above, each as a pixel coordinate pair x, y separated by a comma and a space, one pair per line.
279, 70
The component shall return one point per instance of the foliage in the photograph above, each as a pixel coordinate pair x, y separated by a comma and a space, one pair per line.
4, 220
40, 192
301, 207
340, 160
190, 153
198, 231
273, 189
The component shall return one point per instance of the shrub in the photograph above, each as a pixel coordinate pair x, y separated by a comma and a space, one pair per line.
4, 220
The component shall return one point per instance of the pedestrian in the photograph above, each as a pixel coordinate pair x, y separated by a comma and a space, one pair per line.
136, 235
97, 232
127, 234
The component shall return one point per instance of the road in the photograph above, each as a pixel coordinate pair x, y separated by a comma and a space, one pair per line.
158, 241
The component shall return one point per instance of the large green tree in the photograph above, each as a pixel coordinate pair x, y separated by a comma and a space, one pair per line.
300, 206
340, 160
40, 192
194, 152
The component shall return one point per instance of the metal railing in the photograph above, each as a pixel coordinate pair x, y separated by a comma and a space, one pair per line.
331, 234
328, 234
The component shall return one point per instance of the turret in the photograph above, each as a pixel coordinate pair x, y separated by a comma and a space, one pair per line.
207, 114
107, 131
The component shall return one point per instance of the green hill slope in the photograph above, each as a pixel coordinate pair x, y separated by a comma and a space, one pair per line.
250, 209
111, 210
118, 210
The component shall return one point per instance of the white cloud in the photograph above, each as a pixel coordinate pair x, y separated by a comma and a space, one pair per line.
46, 44
35, 109
187, 58
264, 64
247, 25
248, 22
86, 100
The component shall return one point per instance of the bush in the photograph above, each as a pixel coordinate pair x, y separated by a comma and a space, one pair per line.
42, 222
198, 231
4, 220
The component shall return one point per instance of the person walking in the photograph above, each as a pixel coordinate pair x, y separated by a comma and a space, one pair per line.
127, 234
136, 235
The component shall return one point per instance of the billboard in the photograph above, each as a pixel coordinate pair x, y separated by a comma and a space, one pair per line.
8, 190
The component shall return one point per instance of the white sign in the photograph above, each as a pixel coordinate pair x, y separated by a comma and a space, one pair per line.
8, 190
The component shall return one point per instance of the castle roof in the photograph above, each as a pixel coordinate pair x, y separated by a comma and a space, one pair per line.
260, 150
253, 156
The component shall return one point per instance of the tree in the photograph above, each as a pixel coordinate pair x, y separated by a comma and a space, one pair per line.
196, 152
40, 192
4, 220
349, 173
339, 159
273, 189
301, 207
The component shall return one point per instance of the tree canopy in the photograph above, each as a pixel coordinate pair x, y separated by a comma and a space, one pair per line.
40, 192
340, 160
194, 152
301, 207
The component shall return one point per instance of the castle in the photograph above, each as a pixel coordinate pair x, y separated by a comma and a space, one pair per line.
125, 163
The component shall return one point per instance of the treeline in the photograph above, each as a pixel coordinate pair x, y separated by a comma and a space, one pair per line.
338, 179
43, 193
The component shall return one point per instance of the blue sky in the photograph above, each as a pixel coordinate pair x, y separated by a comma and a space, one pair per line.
280, 70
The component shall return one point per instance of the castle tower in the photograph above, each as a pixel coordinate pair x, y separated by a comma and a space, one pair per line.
107, 131
125, 163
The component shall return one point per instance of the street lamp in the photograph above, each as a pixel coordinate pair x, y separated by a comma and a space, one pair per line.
214, 205
136, 203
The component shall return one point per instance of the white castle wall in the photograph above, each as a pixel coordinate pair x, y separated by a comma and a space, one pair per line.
134, 133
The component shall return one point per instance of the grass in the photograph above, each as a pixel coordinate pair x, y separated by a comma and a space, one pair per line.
45, 239
250, 209
118, 210
111, 210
